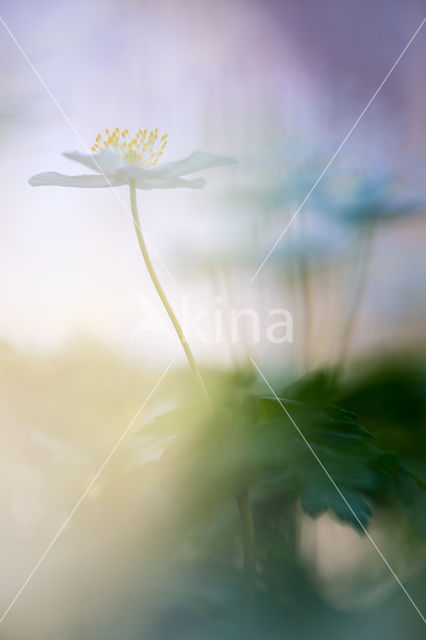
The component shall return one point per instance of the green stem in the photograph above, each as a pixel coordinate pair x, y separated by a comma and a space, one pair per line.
305, 278
307, 301
247, 532
366, 254
162, 295
243, 500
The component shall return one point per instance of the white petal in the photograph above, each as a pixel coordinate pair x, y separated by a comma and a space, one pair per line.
106, 162
195, 162
134, 171
83, 158
51, 178
170, 183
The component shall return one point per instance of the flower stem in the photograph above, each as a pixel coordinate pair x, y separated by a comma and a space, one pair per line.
307, 301
162, 295
243, 500
247, 533
305, 277
361, 280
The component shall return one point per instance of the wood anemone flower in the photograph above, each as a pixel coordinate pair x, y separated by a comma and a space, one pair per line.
117, 159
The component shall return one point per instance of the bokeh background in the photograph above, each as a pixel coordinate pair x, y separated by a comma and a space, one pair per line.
277, 85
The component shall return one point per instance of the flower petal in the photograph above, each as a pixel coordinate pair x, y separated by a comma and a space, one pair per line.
83, 158
137, 172
51, 178
195, 162
170, 183
106, 162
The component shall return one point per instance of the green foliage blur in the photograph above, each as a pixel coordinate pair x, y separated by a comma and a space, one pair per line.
179, 572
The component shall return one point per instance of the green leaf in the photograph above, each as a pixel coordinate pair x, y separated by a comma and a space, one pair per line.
316, 499
331, 435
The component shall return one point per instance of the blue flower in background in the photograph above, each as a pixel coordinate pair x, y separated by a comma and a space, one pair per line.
373, 199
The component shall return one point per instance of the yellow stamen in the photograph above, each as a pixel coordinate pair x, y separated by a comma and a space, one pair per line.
145, 148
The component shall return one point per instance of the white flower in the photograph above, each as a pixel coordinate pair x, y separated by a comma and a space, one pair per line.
117, 159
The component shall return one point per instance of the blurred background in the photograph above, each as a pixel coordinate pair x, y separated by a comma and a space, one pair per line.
276, 85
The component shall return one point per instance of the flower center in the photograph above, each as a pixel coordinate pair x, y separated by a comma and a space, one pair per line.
145, 148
